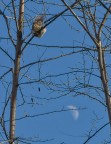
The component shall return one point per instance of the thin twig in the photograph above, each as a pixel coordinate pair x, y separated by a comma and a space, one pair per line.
6, 53
95, 133
8, 28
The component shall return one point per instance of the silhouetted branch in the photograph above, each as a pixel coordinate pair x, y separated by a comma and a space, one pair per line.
90, 137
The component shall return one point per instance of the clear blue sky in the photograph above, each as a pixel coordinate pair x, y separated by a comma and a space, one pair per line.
60, 127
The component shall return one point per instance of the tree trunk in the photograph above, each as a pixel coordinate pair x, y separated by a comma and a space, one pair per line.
104, 79
16, 72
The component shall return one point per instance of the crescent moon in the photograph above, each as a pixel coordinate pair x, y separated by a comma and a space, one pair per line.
74, 111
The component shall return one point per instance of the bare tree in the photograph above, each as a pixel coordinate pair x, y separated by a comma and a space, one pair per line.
97, 39
22, 75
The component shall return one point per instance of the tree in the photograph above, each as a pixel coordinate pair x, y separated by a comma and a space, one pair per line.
27, 73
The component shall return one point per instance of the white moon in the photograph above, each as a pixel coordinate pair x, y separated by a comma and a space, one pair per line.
74, 111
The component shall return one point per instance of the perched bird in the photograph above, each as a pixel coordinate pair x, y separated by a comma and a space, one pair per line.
38, 27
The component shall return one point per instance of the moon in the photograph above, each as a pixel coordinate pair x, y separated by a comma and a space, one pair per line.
74, 111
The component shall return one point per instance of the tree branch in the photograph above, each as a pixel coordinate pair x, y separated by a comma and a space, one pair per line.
8, 28
90, 137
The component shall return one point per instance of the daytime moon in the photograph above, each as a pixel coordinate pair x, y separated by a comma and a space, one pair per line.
74, 111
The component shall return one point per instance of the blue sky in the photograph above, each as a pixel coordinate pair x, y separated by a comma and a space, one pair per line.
64, 126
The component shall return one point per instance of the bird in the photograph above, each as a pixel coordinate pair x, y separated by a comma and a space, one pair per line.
38, 28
